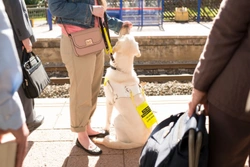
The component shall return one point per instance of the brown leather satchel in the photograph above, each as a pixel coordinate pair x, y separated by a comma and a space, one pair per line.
89, 41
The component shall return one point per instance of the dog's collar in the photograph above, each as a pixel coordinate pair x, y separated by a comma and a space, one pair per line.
112, 67
116, 68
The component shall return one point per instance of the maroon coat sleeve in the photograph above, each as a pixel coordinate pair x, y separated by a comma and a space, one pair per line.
229, 30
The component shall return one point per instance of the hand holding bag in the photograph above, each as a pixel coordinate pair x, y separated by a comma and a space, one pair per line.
35, 78
178, 141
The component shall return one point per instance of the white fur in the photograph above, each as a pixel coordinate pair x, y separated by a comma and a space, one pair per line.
130, 131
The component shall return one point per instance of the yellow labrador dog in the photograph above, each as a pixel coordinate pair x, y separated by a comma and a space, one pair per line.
123, 92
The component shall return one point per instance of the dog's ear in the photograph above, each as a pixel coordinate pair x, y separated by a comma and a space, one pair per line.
139, 54
135, 47
138, 50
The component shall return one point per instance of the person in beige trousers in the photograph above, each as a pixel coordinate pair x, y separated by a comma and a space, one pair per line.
85, 72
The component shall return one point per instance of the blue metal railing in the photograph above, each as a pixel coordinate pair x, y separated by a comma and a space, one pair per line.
139, 13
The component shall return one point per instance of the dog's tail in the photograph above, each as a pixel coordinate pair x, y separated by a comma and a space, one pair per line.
115, 144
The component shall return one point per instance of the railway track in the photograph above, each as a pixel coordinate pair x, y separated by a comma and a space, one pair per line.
143, 78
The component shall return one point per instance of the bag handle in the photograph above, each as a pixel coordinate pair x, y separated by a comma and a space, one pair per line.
26, 56
200, 117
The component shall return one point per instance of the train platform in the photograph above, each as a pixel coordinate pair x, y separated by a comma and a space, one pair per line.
43, 30
53, 144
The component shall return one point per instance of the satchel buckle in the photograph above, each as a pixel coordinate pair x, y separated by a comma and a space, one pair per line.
89, 42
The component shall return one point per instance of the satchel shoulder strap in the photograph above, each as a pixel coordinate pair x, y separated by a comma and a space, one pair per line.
100, 24
64, 27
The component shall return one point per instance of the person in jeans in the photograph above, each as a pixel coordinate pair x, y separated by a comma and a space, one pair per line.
221, 82
12, 118
85, 72
24, 37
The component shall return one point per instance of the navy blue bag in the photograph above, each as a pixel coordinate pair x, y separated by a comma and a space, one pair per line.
178, 141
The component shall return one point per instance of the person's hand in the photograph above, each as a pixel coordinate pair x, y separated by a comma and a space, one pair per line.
21, 136
98, 11
198, 97
27, 45
127, 24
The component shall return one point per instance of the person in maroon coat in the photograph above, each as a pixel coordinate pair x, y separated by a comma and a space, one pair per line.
222, 84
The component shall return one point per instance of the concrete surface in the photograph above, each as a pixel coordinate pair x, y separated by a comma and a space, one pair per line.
53, 144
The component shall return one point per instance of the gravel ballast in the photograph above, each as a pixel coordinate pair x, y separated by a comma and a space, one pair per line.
151, 89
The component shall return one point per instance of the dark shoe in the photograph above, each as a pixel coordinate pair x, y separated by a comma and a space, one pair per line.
95, 151
36, 123
102, 133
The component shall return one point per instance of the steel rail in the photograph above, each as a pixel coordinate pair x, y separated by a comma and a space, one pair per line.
136, 67
143, 78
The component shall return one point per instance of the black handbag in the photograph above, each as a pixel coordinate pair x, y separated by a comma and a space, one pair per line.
178, 141
35, 78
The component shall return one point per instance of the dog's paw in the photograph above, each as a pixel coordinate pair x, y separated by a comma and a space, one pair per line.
98, 140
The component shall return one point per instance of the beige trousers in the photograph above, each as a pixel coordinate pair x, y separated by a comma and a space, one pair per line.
85, 75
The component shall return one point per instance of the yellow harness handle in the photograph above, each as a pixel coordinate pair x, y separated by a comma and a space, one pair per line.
110, 49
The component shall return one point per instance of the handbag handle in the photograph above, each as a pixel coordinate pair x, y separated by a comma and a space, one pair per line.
200, 117
26, 56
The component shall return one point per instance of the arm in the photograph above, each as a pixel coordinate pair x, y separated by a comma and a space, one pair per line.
10, 78
78, 11
223, 41
116, 24
83, 11
18, 15
230, 27
12, 118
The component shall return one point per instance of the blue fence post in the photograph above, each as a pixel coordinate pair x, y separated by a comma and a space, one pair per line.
49, 19
199, 11
120, 11
141, 9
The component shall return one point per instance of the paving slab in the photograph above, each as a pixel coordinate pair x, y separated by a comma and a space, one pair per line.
53, 143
